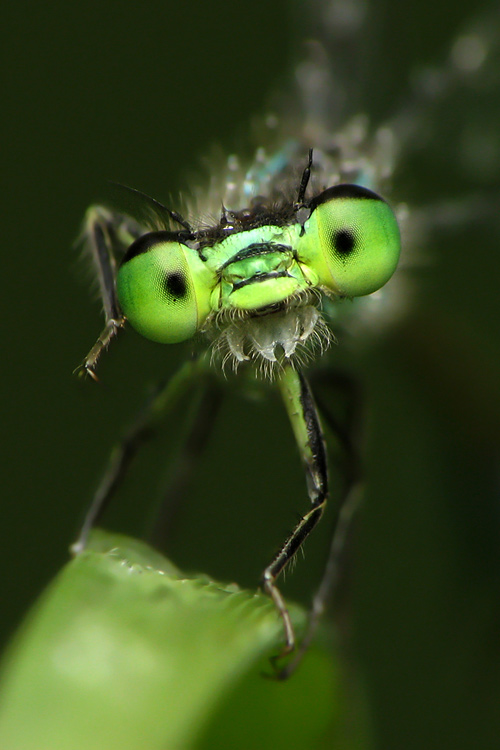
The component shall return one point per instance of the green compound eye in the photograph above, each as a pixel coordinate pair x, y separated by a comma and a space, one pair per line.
164, 288
351, 240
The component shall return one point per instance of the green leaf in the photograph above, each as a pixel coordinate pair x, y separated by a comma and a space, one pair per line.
123, 651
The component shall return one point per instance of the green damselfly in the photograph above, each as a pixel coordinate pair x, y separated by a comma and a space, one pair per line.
261, 286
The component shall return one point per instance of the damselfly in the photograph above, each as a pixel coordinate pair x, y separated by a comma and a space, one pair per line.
257, 273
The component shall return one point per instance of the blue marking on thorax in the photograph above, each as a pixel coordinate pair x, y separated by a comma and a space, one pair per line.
259, 176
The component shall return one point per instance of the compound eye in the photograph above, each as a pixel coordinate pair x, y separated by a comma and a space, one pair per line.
358, 238
162, 288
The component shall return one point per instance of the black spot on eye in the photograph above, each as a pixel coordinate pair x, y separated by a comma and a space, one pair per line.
344, 191
344, 241
150, 241
175, 285
145, 243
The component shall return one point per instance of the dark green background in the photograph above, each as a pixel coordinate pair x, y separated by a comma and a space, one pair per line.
136, 93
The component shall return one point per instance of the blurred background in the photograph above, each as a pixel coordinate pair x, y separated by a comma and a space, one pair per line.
137, 93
